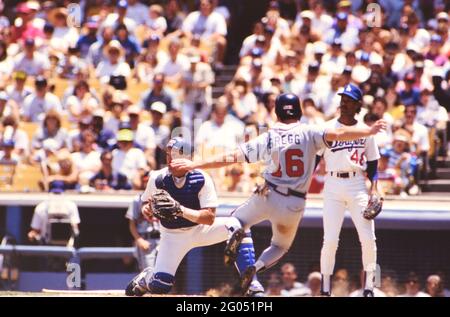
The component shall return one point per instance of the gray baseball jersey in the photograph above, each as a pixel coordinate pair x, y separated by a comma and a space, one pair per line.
289, 153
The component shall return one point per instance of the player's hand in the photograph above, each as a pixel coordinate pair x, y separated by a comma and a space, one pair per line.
143, 244
378, 126
181, 165
147, 212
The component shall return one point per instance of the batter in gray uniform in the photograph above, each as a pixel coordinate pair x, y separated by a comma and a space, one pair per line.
288, 150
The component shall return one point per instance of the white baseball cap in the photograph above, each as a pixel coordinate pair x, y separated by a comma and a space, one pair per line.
159, 106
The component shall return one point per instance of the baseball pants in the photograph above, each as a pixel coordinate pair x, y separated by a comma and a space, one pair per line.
148, 258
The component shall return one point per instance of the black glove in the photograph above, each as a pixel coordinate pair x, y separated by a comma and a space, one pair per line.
164, 207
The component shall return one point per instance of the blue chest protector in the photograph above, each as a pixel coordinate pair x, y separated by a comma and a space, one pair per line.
187, 195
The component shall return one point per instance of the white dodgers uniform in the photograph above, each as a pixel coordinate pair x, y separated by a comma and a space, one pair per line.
345, 189
289, 151
195, 191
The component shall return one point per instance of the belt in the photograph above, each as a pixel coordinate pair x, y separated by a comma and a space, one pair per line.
155, 234
289, 192
343, 174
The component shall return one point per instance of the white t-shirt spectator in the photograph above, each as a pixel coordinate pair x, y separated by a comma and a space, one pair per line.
63, 38
128, 163
137, 12
144, 136
18, 96
33, 67
319, 24
171, 68
420, 136
88, 164
112, 21
205, 26
297, 290
421, 39
54, 205
159, 24
35, 108
231, 133
105, 69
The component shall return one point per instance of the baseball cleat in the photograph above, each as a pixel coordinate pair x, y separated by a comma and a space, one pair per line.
231, 250
247, 278
138, 285
368, 293
255, 289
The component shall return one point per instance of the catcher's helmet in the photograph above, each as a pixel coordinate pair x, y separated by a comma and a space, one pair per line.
179, 146
287, 106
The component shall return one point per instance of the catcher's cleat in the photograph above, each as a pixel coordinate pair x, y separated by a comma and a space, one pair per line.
138, 285
368, 293
247, 278
325, 294
255, 290
231, 250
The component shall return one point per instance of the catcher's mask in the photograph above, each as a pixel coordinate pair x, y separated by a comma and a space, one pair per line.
179, 148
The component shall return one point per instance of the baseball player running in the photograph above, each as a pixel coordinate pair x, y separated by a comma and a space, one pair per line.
192, 199
289, 151
345, 188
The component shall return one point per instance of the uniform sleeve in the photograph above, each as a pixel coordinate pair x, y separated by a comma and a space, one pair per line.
74, 215
207, 195
372, 152
151, 187
132, 213
317, 134
257, 149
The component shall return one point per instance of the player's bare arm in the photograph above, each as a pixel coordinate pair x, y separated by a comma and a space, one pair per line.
218, 161
203, 216
353, 133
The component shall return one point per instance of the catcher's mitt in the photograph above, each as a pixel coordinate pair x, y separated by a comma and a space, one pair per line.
164, 207
374, 207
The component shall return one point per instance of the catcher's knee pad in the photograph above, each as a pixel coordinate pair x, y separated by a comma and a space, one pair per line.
161, 283
246, 253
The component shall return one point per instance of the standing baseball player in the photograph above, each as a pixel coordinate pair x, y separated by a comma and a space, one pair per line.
289, 151
185, 203
345, 188
146, 235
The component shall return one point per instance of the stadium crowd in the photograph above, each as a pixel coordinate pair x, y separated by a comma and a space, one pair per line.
92, 100
285, 282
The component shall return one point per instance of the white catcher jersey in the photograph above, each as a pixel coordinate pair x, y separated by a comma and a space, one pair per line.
289, 153
349, 156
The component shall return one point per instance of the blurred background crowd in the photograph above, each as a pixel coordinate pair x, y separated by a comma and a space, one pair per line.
90, 91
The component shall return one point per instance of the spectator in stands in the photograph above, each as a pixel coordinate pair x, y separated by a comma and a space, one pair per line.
20, 137
412, 287
120, 17
157, 93
84, 124
341, 283
30, 61
114, 65
24, 26
311, 115
419, 132
291, 287
223, 124
64, 36
211, 26
314, 283
113, 119
236, 180
130, 45
6, 65
384, 138
155, 20
54, 207
65, 171
7, 107
144, 137
17, 91
96, 53
51, 129
81, 103
243, 102
274, 285
106, 179
434, 286
409, 95
36, 105
137, 12
105, 138
196, 83
7, 153
173, 15
87, 160
343, 31
161, 131
86, 40
128, 160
